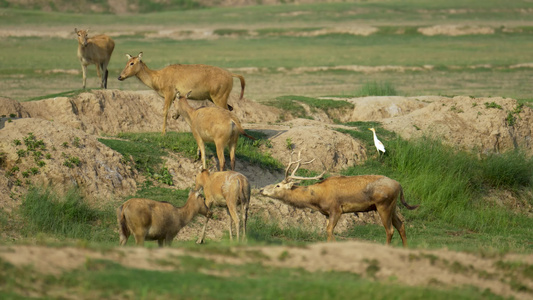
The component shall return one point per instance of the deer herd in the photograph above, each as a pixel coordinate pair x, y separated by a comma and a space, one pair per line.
154, 220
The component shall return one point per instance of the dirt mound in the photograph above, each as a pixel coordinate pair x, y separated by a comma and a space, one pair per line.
331, 149
48, 153
115, 111
484, 125
455, 30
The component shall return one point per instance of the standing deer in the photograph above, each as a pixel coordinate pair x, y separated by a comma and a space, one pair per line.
338, 195
212, 124
153, 220
228, 189
206, 82
94, 50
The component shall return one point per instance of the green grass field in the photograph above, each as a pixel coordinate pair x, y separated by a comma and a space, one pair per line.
271, 39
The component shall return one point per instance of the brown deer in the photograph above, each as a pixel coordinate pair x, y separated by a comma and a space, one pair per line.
206, 82
153, 220
338, 195
94, 50
212, 124
228, 189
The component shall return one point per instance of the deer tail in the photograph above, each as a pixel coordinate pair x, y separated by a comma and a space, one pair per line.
121, 219
402, 199
243, 83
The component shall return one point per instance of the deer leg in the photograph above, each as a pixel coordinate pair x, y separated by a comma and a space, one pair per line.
201, 148
99, 74
398, 224
244, 207
220, 155
331, 223
139, 239
232, 148
234, 217
168, 101
386, 218
84, 74
123, 238
160, 243
200, 240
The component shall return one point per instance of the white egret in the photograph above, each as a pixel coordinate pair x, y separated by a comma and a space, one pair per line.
379, 145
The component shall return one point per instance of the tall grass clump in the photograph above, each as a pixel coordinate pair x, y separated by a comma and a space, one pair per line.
64, 217
449, 185
512, 169
374, 88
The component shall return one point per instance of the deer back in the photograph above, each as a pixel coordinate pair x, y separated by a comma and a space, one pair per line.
213, 123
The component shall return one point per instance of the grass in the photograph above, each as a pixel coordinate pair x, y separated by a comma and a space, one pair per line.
189, 280
376, 89
148, 148
449, 185
291, 104
65, 217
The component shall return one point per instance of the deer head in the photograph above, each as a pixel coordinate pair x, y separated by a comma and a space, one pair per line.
83, 35
133, 66
279, 189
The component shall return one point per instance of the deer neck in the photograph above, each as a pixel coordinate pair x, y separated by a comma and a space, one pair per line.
186, 213
300, 196
185, 110
146, 75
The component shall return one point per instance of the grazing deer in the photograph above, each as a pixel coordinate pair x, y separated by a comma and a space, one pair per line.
94, 50
153, 220
212, 124
228, 189
338, 195
206, 82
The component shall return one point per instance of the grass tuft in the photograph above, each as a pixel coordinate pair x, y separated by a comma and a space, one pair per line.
375, 88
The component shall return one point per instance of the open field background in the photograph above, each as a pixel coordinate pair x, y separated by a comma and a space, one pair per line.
308, 67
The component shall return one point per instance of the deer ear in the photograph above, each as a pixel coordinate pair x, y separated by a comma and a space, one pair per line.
128, 56
189, 94
75, 30
140, 56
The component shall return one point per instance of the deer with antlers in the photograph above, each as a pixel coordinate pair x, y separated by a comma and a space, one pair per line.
206, 82
338, 195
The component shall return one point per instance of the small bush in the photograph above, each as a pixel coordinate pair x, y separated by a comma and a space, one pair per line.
376, 89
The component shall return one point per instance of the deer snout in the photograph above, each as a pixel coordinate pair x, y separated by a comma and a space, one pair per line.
175, 116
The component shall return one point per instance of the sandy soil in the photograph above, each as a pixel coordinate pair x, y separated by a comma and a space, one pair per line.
438, 268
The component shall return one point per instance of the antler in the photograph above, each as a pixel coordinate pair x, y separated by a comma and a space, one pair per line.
298, 164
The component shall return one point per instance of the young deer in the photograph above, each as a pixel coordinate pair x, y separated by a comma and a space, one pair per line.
153, 220
225, 189
212, 124
338, 195
206, 82
94, 50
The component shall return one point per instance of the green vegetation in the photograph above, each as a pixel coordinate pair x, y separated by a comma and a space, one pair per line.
146, 150
376, 89
293, 105
198, 278
67, 216
450, 184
